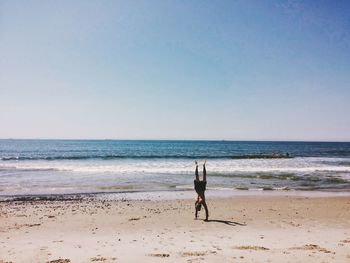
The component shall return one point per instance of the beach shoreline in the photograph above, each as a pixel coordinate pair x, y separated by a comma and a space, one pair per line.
251, 228
36, 167
187, 194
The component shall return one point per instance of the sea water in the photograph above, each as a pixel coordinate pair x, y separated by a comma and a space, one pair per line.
93, 166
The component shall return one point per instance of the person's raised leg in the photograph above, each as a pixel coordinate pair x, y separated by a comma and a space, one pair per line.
196, 170
204, 172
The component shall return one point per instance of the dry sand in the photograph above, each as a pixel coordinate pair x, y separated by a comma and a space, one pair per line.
240, 229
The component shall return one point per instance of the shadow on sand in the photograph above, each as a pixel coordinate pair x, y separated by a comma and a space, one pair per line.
227, 222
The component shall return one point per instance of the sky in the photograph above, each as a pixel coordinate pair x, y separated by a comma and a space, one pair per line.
233, 70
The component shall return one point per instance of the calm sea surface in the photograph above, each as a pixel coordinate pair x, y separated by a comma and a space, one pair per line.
86, 166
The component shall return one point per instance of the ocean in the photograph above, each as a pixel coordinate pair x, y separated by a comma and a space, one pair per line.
41, 167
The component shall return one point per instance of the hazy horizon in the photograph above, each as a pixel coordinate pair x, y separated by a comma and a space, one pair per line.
173, 70
126, 139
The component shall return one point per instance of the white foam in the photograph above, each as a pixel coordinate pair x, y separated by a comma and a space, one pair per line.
175, 166
157, 174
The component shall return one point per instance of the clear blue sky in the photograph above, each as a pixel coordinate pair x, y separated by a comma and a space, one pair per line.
241, 70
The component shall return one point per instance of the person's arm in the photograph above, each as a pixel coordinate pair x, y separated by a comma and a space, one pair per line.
197, 199
204, 172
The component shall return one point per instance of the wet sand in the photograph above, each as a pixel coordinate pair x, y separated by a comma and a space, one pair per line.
240, 229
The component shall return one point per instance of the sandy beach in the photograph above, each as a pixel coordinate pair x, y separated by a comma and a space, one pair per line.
240, 229
118, 119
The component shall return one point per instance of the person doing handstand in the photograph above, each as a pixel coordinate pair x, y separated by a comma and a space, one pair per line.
200, 187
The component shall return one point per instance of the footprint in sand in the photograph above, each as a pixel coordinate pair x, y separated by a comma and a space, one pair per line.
192, 260
159, 255
251, 248
312, 247
61, 260
134, 218
193, 253
101, 259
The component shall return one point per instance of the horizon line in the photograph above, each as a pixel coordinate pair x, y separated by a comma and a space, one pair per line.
162, 139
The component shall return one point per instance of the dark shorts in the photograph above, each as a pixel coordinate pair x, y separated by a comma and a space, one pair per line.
200, 186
